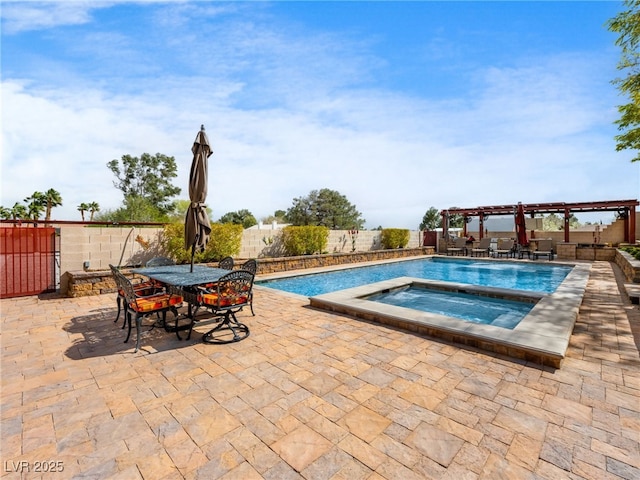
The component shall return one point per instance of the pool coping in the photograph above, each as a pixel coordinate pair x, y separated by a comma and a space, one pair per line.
541, 337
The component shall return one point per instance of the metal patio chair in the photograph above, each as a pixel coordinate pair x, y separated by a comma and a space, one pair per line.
140, 287
226, 263
141, 306
230, 294
250, 265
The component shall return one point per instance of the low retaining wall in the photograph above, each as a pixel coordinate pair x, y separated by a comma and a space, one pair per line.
283, 264
629, 266
82, 284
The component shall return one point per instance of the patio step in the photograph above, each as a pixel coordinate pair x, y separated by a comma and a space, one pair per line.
633, 290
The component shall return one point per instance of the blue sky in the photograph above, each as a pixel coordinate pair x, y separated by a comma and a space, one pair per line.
399, 106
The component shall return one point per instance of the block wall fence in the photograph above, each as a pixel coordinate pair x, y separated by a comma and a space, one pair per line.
97, 247
94, 248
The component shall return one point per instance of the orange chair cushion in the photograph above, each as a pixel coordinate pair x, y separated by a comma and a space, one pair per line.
156, 302
144, 290
226, 299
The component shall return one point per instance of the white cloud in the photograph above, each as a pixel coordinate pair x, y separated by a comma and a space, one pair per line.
532, 133
22, 15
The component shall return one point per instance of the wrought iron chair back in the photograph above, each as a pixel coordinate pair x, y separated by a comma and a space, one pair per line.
143, 287
226, 263
125, 286
250, 265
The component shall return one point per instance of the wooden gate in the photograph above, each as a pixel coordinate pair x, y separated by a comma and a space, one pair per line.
429, 238
27, 261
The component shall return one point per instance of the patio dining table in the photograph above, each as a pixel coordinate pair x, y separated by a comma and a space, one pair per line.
182, 281
181, 276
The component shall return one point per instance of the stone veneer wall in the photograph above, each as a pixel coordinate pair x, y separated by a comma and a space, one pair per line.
81, 283
571, 251
629, 266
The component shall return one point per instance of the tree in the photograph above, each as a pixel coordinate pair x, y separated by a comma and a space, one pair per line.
52, 199
93, 208
180, 207
627, 25
83, 207
179, 210
242, 217
19, 211
36, 204
5, 213
456, 220
326, 208
554, 222
146, 184
278, 217
431, 220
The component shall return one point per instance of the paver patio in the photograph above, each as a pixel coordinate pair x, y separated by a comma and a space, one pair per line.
313, 395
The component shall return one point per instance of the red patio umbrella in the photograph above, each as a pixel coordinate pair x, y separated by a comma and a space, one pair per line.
521, 226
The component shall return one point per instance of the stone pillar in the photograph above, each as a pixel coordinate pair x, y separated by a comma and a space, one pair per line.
566, 251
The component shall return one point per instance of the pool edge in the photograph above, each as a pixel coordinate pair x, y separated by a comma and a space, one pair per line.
542, 337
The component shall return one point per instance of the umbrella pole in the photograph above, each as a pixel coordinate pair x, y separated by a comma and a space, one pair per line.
193, 251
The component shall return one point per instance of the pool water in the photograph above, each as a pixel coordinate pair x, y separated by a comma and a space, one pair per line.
498, 312
528, 276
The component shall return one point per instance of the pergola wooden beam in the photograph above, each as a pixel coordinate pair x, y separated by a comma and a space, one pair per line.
626, 208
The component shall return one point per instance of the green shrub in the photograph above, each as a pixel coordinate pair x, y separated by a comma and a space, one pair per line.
394, 237
225, 240
305, 240
633, 251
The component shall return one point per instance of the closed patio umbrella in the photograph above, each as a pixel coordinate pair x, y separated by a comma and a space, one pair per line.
197, 226
521, 226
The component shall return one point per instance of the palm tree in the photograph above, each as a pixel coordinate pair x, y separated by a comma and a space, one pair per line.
36, 204
93, 208
19, 211
52, 199
83, 207
5, 213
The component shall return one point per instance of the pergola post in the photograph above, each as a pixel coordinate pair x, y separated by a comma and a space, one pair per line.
626, 225
567, 214
532, 233
445, 224
481, 225
632, 225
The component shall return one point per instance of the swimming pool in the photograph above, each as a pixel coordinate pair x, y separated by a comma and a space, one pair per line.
500, 274
555, 290
497, 311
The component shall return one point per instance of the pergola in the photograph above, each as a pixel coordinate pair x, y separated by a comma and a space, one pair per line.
626, 209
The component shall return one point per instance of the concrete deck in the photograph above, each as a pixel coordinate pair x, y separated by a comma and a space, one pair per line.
542, 336
314, 395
